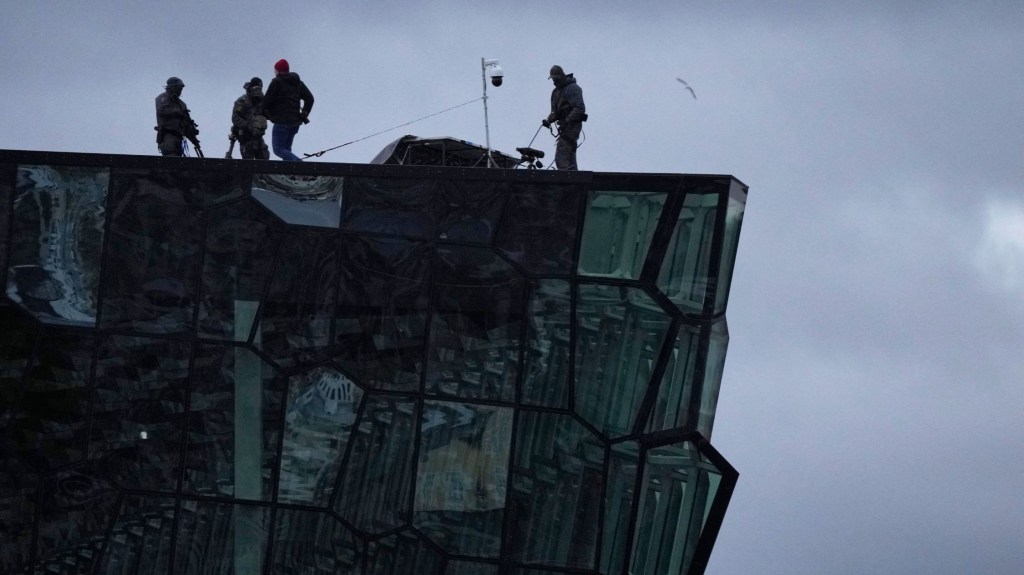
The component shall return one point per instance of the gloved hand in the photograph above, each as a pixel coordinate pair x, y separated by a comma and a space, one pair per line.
546, 123
304, 119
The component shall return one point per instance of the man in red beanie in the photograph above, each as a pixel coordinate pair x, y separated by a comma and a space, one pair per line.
281, 105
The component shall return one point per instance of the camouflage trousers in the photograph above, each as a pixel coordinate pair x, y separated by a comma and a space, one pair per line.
253, 149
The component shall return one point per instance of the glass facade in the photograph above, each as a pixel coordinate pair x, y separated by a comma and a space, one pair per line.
227, 367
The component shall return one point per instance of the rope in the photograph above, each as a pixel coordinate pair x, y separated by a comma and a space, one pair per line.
322, 152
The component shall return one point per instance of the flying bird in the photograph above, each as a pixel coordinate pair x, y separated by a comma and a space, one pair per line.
683, 82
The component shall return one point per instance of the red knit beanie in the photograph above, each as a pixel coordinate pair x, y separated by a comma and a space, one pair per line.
281, 66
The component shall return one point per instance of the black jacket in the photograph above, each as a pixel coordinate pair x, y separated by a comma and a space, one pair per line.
567, 101
281, 102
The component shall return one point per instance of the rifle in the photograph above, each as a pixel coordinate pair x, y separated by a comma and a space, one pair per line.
191, 129
231, 138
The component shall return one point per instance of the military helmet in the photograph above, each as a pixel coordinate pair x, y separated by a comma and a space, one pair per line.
175, 81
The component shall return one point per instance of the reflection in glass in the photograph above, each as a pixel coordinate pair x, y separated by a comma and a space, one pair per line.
469, 211
235, 397
313, 543
375, 489
57, 241
149, 280
302, 200
617, 232
672, 408
17, 339
538, 231
557, 476
619, 331
49, 428
392, 206
138, 414
618, 505
684, 275
18, 487
295, 318
470, 568
546, 367
460, 483
678, 488
220, 538
380, 322
475, 332
322, 408
241, 241
76, 508
140, 541
402, 553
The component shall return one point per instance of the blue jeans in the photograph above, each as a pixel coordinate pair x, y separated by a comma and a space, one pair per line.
281, 140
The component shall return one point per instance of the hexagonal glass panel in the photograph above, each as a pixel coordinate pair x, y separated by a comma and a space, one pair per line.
461, 476
546, 365
619, 334
678, 487
322, 408
558, 474
617, 232
685, 270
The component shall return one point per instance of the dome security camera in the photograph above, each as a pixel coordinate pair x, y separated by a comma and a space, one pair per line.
497, 74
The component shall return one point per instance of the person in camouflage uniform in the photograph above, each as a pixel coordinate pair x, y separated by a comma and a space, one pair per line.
173, 121
248, 124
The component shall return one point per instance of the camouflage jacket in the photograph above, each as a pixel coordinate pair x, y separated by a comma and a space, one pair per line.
172, 115
247, 120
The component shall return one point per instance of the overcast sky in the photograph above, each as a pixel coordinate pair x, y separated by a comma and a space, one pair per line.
873, 397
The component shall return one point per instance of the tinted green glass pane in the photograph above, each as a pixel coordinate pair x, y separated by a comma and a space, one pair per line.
617, 232
138, 417
619, 334
685, 270
322, 408
546, 367
676, 491
220, 538
140, 541
375, 490
713, 377
57, 242
313, 543
558, 476
733, 220
461, 476
620, 498
675, 394
234, 424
